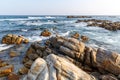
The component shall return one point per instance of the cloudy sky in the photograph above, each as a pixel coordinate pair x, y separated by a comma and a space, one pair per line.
60, 7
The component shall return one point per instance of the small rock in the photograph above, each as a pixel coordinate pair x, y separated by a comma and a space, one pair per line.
2, 64
23, 70
13, 76
4, 71
45, 33
84, 38
76, 35
13, 54
28, 64
25, 41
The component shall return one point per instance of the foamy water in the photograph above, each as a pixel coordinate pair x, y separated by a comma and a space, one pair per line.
32, 26
4, 47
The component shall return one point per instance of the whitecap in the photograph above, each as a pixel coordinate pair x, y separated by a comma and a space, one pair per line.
37, 38
49, 17
81, 24
5, 46
64, 34
24, 30
35, 17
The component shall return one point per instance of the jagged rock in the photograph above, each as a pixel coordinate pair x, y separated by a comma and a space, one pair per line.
56, 68
45, 33
14, 39
76, 35
6, 70
23, 70
109, 61
84, 38
86, 58
13, 76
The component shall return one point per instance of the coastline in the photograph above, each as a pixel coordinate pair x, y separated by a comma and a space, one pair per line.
86, 59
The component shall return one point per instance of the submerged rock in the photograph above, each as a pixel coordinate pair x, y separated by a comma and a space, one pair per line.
14, 39
13, 76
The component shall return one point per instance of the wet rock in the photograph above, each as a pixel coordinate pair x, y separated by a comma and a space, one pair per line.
108, 77
45, 33
2, 64
14, 39
5, 71
96, 75
13, 76
23, 70
109, 25
76, 35
13, 53
84, 38
56, 68
28, 64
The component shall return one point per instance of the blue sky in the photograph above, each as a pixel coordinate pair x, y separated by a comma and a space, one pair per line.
59, 7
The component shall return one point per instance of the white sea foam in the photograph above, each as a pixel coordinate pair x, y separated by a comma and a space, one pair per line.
24, 30
81, 24
4, 47
49, 17
17, 19
37, 38
64, 34
35, 17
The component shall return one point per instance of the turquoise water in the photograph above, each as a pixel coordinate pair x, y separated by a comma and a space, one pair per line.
31, 27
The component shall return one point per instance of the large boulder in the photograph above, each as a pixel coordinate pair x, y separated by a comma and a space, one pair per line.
109, 61
56, 68
14, 39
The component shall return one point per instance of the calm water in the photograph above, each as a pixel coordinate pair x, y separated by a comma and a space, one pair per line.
31, 27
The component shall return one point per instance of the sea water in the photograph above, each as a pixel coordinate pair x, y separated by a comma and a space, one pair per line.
32, 26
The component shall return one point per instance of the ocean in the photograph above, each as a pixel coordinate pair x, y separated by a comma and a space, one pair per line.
32, 26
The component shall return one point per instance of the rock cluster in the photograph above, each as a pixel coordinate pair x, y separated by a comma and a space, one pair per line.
14, 39
68, 58
78, 16
109, 25
77, 36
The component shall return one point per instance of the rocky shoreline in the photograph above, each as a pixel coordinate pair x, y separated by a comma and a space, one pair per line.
61, 58
109, 25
